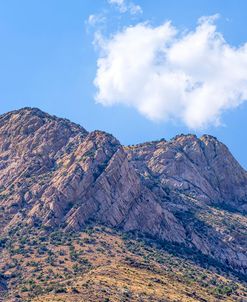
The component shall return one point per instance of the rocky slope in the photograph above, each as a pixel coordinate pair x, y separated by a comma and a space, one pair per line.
189, 191
55, 173
199, 167
200, 182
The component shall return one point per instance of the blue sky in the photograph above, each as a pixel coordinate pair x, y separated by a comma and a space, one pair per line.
47, 60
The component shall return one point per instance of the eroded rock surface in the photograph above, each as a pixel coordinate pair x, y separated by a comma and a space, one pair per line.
53, 173
201, 167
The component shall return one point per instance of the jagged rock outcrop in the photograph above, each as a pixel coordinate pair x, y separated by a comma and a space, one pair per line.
192, 175
53, 173
201, 167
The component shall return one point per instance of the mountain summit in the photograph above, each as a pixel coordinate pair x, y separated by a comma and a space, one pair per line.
188, 191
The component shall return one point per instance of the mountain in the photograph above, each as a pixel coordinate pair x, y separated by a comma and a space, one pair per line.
200, 167
187, 195
55, 173
199, 181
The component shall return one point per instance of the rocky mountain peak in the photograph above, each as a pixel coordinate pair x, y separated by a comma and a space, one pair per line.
200, 166
55, 174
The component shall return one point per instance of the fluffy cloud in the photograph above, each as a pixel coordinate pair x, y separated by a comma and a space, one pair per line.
192, 77
125, 6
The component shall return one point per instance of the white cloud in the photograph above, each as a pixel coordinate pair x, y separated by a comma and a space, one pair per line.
126, 6
165, 74
94, 20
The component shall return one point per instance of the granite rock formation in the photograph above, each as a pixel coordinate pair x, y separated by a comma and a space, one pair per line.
189, 191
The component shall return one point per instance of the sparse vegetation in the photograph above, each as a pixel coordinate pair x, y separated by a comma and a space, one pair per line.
100, 264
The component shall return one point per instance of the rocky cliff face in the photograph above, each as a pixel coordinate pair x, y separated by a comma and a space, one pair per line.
200, 182
54, 173
200, 167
